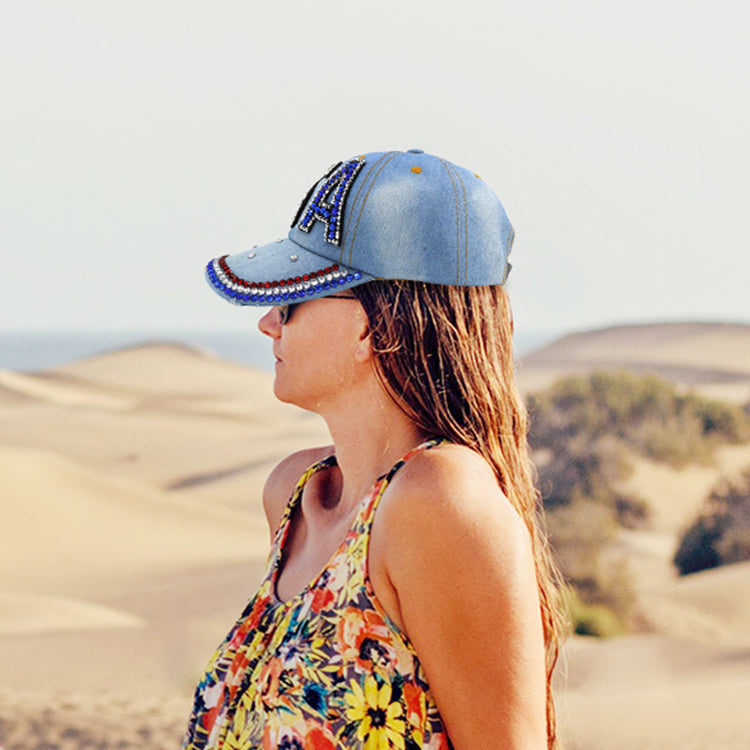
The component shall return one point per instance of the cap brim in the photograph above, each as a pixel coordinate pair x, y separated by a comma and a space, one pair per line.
278, 273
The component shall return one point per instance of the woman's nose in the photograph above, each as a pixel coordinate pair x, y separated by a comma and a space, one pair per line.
270, 323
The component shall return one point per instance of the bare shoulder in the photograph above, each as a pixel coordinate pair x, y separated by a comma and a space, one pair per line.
447, 525
447, 488
460, 560
283, 479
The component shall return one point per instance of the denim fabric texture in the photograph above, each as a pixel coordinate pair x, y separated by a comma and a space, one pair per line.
389, 215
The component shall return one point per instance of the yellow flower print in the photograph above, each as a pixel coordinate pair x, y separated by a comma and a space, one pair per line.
240, 731
381, 725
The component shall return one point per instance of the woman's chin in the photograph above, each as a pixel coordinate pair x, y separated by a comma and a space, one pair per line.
278, 390
281, 390
286, 396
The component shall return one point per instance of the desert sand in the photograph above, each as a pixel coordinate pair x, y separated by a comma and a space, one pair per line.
133, 534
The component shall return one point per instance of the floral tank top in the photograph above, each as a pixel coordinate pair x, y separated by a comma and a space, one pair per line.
327, 669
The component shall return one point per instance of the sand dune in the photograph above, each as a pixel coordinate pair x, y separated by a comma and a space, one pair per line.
30, 614
196, 423
168, 370
131, 521
711, 606
675, 495
709, 346
65, 527
116, 587
51, 389
713, 358
654, 693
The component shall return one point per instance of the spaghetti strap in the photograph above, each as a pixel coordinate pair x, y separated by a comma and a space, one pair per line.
294, 498
367, 508
431, 443
381, 482
385, 480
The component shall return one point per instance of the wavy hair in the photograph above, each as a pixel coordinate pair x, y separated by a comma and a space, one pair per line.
444, 354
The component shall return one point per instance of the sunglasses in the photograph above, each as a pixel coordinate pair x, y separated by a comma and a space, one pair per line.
285, 311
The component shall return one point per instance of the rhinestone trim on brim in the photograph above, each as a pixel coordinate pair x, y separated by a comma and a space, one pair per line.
279, 291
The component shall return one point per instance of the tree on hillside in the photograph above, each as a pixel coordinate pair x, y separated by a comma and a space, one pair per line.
721, 533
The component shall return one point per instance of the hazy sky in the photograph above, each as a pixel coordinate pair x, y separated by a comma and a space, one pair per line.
141, 138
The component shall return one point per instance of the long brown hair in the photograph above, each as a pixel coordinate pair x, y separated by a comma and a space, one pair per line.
444, 353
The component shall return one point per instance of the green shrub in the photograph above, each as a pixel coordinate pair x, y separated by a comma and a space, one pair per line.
728, 422
734, 544
721, 532
584, 433
582, 535
591, 619
697, 548
644, 413
587, 429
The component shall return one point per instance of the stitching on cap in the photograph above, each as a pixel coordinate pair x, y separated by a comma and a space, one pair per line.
466, 226
355, 198
364, 181
360, 187
455, 196
367, 195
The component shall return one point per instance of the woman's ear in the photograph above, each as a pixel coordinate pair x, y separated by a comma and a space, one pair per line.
363, 348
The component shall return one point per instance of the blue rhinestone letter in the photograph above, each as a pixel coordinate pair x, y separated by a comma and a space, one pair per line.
328, 204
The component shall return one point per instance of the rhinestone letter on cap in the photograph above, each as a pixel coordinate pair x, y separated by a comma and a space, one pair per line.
328, 204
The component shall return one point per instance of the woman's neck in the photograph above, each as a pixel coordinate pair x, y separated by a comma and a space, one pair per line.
369, 437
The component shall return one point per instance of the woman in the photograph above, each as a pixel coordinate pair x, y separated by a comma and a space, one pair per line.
410, 600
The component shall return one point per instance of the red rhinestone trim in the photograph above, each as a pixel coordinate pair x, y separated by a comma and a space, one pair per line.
270, 284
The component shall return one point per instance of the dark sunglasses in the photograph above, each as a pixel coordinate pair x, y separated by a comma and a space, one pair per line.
285, 311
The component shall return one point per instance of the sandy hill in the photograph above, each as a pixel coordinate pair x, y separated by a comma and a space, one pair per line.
712, 606
165, 414
674, 495
167, 369
711, 357
653, 692
166, 376
59, 517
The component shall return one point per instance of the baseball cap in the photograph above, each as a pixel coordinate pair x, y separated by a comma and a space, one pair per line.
381, 215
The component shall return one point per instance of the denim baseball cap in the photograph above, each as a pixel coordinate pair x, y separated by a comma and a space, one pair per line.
383, 215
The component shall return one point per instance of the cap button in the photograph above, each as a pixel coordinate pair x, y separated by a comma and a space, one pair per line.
415, 151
